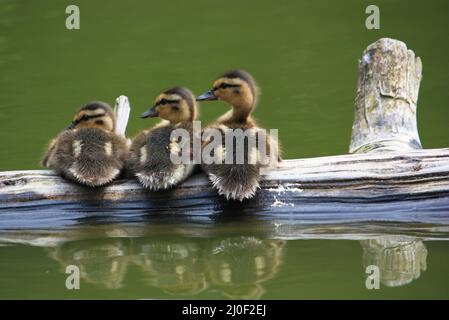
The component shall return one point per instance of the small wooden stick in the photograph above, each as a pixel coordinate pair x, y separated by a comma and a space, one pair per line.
122, 110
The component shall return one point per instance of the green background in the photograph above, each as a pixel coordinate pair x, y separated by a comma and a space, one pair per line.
302, 53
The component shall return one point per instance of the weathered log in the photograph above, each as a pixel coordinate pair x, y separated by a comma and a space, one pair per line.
363, 178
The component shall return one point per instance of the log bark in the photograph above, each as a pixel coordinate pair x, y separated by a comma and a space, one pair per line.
386, 99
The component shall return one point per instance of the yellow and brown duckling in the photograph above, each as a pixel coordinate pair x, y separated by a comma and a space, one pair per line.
236, 181
88, 151
150, 153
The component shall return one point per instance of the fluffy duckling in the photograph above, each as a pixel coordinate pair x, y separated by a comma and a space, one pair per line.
150, 152
88, 151
236, 181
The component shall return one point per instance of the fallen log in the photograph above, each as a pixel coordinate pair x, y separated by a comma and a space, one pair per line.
363, 178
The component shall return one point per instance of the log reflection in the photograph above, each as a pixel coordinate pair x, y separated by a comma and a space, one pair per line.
399, 259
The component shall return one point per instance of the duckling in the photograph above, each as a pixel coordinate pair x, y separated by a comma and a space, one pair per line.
237, 181
88, 151
151, 150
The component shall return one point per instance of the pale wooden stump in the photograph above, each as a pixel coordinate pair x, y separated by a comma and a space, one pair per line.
386, 98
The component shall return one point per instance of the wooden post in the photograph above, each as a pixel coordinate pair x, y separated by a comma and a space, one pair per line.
385, 104
122, 110
385, 121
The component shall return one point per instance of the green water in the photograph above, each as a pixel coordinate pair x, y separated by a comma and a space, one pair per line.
168, 268
303, 55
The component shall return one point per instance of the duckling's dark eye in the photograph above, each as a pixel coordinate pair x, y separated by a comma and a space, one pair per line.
163, 101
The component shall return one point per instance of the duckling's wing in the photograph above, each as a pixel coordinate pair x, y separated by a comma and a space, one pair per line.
135, 151
122, 110
59, 151
48, 154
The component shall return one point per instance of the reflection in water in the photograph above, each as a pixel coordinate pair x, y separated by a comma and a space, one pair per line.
103, 263
400, 260
235, 266
175, 267
239, 265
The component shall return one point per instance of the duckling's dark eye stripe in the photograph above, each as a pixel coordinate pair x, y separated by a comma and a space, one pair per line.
164, 101
226, 85
86, 117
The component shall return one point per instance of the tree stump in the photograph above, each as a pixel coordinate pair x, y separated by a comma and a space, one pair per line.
386, 99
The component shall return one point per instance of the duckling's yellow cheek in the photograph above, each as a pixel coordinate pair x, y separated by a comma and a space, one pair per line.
163, 113
219, 94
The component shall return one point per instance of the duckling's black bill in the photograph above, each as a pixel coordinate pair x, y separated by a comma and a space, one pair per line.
209, 95
150, 113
